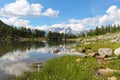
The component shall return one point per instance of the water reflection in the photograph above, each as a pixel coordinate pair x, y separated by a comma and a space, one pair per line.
10, 46
16, 57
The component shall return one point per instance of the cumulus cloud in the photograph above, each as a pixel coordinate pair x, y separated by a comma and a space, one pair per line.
51, 12
112, 16
22, 8
14, 21
12, 13
86, 21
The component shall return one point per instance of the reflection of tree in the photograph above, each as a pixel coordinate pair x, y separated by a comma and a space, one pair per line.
9, 46
54, 43
59, 42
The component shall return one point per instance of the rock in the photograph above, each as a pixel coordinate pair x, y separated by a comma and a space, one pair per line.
72, 50
112, 78
116, 40
117, 51
96, 54
91, 54
83, 51
87, 43
78, 60
105, 71
99, 57
38, 66
80, 49
89, 51
105, 51
56, 51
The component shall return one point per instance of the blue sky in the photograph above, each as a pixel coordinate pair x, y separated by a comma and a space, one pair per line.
63, 11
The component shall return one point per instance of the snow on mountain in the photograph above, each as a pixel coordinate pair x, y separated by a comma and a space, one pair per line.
62, 28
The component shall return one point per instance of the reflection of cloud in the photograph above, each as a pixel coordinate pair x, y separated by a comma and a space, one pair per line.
14, 56
12, 62
42, 50
16, 68
15, 63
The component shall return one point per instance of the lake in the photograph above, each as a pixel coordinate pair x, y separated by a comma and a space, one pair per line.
16, 57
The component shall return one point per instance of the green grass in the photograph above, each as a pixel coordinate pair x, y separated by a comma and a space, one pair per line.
97, 45
65, 68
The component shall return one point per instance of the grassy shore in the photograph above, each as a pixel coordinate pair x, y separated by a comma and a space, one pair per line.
65, 68
71, 68
76, 67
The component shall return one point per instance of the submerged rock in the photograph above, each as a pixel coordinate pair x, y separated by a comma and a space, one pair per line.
56, 51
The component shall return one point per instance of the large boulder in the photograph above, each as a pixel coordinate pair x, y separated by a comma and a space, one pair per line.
117, 51
105, 51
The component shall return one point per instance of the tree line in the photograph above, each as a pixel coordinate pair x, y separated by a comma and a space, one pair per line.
55, 36
7, 31
11, 32
101, 30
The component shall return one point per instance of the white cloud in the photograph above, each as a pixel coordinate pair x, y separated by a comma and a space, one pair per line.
12, 13
14, 21
21, 8
86, 21
51, 12
112, 16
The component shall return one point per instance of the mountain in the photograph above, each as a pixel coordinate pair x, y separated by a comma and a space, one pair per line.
61, 29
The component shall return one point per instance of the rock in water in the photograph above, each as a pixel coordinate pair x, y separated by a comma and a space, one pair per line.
105, 51
117, 51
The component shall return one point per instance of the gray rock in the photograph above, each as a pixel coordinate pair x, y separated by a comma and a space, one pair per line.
91, 54
117, 51
112, 78
105, 71
115, 40
105, 51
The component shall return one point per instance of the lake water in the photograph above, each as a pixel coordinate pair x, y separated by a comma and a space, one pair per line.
16, 57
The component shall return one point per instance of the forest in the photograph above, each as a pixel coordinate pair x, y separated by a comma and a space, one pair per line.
101, 30
11, 32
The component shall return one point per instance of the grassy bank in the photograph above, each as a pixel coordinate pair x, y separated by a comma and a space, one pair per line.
67, 68
76, 67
